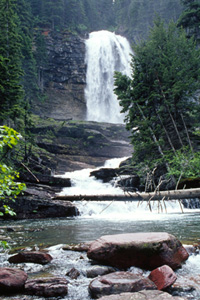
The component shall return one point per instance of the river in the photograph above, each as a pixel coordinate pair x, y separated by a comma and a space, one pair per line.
102, 218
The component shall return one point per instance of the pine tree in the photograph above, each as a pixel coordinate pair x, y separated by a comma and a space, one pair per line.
190, 18
11, 92
160, 100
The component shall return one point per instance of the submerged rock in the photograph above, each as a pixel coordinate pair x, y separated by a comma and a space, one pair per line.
142, 295
105, 174
11, 280
81, 247
144, 250
118, 282
36, 257
47, 287
163, 277
73, 273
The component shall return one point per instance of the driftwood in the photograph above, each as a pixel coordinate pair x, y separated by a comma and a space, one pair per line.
169, 195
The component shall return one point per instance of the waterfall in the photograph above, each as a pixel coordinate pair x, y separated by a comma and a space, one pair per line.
105, 54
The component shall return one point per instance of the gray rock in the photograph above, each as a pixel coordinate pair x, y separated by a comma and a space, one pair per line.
36, 207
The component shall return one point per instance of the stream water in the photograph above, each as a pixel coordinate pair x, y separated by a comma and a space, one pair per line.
102, 218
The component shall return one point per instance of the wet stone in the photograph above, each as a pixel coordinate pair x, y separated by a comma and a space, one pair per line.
31, 257
11, 280
73, 273
119, 282
163, 277
95, 271
47, 287
146, 250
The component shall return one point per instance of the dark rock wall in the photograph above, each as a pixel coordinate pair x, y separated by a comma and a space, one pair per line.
63, 80
74, 145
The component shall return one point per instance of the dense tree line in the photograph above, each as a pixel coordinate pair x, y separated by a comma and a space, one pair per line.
161, 100
136, 16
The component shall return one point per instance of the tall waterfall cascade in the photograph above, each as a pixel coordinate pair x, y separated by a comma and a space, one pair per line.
106, 53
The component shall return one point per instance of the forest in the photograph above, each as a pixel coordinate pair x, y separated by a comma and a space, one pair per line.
23, 55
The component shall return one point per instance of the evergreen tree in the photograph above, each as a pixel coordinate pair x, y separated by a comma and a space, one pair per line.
74, 15
190, 18
11, 92
54, 13
136, 17
159, 100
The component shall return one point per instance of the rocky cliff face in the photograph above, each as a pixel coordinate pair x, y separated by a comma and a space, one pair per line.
74, 145
63, 80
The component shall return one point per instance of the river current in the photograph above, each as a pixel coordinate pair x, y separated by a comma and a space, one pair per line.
103, 218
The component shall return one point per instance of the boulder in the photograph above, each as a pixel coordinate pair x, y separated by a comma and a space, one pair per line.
119, 282
142, 295
148, 250
11, 280
47, 287
36, 257
105, 174
131, 183
95, 271
35, 206
163, 277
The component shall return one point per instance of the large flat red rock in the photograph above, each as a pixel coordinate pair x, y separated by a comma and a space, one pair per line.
147, 250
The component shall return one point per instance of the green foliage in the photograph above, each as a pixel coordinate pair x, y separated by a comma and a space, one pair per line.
136, 17
4, 245
160, 99
184, 164
9, 188
190, 18
11, 91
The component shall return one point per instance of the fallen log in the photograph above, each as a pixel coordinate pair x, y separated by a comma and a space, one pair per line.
168, 195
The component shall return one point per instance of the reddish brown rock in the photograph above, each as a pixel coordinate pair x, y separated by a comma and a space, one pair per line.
163, 277
148, 250
11, 280
73, 273
119, 282
36, 257
47, 287
142, 295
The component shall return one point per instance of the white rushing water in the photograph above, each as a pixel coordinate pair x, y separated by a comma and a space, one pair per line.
84, 184
106, 53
